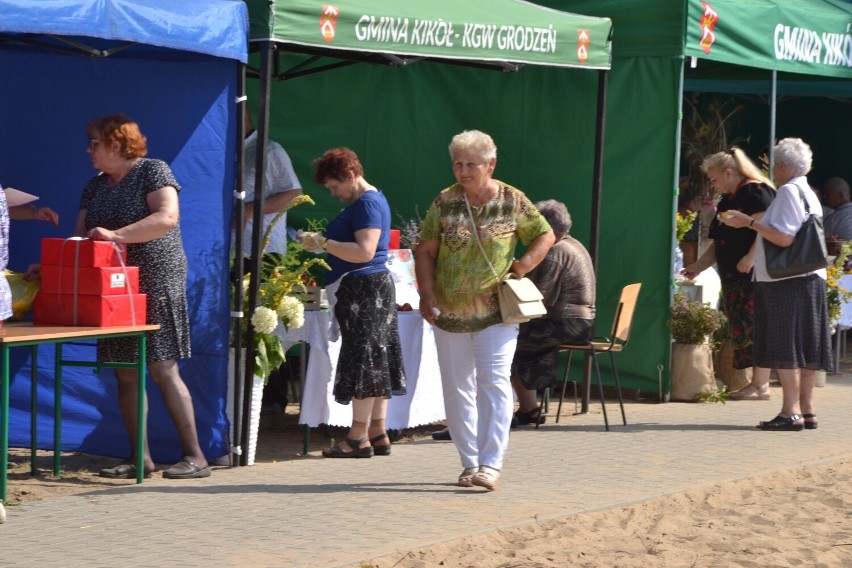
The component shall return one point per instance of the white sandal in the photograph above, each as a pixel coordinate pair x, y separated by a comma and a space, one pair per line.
486, 477
751, 392
465, 479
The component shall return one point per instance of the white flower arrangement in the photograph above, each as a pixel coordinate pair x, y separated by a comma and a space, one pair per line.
264, 320
283, 277
292, 311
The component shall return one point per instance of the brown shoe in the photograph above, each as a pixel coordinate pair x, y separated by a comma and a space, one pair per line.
751, 393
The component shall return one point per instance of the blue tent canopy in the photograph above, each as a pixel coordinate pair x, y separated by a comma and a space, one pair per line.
174, 68
213, 28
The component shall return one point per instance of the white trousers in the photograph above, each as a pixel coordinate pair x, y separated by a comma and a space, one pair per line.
478, 401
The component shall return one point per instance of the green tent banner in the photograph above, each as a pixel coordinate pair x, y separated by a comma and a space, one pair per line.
504, 32
813, 37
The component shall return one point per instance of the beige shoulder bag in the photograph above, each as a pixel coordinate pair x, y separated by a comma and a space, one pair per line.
520, 300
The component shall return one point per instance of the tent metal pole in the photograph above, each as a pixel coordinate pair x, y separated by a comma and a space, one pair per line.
262, 127
773, 108
664, 391
594, 231
237, 300
676, 166
597, 179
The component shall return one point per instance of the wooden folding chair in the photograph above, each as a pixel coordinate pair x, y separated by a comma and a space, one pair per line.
615, 343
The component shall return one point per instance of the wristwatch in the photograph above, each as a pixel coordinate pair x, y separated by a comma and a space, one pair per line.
324, 244
751, 225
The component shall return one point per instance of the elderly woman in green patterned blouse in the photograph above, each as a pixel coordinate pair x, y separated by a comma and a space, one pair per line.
458, 295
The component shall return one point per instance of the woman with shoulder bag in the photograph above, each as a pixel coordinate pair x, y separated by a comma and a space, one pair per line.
791, 332
470, 228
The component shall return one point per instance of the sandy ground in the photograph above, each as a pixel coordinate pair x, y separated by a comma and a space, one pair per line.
799, 517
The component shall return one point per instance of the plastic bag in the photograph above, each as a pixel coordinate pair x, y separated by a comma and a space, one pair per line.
23, 294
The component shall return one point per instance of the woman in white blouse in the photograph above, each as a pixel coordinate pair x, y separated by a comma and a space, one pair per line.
791, 332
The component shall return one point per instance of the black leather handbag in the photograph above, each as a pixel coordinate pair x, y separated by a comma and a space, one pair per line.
806, 254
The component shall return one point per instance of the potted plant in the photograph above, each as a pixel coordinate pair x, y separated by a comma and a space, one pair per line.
836, 295
282, 287
723, 359
692, 323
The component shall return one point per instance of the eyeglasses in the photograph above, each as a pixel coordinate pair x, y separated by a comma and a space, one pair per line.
468, 165
93, 143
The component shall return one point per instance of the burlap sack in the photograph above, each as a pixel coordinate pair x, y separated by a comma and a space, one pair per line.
692, 371
733, 379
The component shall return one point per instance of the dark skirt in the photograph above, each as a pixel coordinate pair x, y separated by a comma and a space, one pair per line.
738, 306
536, 359
166, 305
791, 324
370, 361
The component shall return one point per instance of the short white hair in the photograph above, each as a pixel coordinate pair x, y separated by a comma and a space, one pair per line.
795, 154
474, 142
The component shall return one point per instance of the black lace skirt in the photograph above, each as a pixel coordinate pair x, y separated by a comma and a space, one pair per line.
370, 361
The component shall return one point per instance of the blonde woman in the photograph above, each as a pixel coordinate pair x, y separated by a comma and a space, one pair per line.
744, 188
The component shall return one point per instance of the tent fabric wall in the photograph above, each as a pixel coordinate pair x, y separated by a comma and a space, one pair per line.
199, 27
649, 41
824, 122
272, 24
185, 106
798, 36
400, 123
640, 167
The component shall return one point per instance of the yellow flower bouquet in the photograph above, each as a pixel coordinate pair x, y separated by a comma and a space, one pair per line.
284, 279
835, 295
683, 224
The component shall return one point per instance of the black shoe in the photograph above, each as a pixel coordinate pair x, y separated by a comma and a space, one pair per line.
782, 424
441, 435
271, 409
356, 450
523, 418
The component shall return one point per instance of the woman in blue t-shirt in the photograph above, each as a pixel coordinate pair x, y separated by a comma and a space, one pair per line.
361, 290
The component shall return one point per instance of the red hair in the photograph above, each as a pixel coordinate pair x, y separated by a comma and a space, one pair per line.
119, 128
337, 163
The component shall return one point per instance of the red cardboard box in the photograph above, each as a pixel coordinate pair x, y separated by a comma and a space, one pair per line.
86, 252
101, 311
91, 280
394, 239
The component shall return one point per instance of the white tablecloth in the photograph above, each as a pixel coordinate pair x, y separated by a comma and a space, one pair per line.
424, 403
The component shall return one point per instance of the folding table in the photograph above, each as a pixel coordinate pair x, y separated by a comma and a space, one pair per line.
28, 335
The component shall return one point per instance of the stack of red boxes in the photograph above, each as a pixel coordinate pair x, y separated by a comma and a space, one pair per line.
86, 282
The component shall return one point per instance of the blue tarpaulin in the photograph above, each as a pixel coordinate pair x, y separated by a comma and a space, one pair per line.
215, 27
173, 67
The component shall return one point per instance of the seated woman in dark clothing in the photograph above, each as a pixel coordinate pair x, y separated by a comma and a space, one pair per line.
566, 278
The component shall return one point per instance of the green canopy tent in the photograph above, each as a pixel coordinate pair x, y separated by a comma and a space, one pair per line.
663, 48
308, 37
811, 37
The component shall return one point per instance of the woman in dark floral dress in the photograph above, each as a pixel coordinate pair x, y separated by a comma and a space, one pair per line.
134, 201
744, 188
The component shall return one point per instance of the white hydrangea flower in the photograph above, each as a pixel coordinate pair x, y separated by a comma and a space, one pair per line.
292, 311
264, 320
